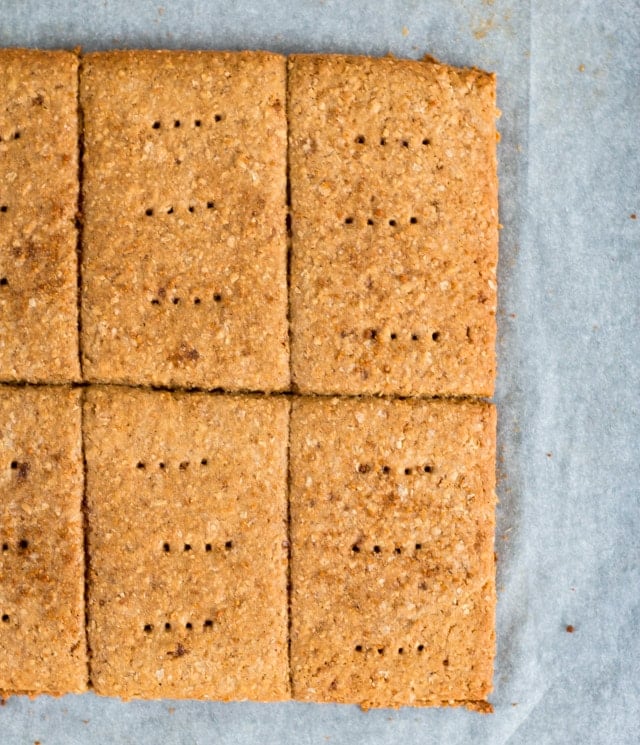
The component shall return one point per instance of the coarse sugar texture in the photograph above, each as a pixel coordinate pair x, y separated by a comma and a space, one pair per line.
184, 199
187, 538
392, 566
42, 633
38, 208
394, 226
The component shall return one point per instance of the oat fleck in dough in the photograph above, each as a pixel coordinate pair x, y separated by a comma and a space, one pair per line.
42, 635
395, 226
184, 262
38, 206
187, 544
392, 524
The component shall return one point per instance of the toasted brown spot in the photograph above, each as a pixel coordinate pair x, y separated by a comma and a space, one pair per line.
179, 651
185, 353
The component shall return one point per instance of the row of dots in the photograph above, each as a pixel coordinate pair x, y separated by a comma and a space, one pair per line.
177, 123
141, 465
356, 548
22, 545
393, 335
217, 298
362, 140
408, 471
401, 650
150, 212
206, 624
392, 222
166, 547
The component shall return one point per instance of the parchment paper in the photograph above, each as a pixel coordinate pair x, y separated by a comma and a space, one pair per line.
569, 350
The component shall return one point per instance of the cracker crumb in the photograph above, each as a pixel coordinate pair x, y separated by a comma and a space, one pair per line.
483, 28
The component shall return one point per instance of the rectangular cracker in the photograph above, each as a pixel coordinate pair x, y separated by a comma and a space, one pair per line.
42, 634
187, 543
38, 206
184, 189
392, 573
395, 226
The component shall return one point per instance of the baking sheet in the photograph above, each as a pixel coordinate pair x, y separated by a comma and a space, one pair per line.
569, 359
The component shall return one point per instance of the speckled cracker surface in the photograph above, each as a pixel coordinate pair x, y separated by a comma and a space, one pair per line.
38, 206
395, 226
392, 522
188, 545
184, 189
42, 635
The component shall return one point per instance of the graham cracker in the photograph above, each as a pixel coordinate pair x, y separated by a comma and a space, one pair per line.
394, 226
42, 635
38, 205
184, 190
188, 548
392, 568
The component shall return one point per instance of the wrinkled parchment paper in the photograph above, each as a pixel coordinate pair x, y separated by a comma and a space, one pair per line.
568, 533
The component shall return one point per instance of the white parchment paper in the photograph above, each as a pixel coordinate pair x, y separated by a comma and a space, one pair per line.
568, 536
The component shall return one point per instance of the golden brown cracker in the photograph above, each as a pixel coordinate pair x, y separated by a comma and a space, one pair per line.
184, 190
186, 499
394, 226
392, 568
38, 206
42, 634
